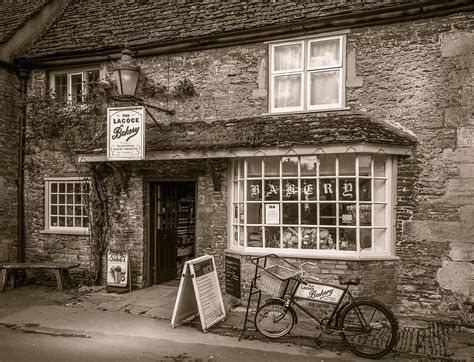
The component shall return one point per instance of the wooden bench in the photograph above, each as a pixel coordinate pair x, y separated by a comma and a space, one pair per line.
60, 269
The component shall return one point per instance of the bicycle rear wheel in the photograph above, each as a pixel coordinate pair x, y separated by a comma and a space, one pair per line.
274, 320
370, 329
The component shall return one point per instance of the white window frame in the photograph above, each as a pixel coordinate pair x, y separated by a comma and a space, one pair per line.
69, 73
56, 229
305, 75
389, 204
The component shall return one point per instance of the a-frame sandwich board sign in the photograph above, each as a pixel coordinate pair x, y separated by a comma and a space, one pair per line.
199, 293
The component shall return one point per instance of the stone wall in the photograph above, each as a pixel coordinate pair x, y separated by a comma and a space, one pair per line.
418, 74
9, 140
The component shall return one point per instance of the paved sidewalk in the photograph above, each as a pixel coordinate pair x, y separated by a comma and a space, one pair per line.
419, 339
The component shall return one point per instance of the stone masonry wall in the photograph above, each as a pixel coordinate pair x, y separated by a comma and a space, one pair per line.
9, 137
418, 74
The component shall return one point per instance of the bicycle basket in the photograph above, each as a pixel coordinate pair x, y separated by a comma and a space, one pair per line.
275, 279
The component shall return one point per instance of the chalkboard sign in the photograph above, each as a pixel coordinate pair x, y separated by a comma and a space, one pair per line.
232, 276
199, 292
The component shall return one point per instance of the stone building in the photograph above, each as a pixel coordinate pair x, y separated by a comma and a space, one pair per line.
335, 132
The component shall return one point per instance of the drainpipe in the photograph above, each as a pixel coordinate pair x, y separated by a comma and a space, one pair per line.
23, 75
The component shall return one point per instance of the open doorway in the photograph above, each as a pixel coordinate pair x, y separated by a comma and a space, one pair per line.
172, 228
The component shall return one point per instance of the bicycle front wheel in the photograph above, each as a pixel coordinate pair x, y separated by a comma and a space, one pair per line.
369, 329
274, 320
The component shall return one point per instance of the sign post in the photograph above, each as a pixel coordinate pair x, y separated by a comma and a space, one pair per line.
118, 272
199, 292
125, 133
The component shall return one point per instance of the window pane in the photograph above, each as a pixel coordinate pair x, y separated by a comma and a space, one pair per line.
290, 238
69, 199
347, 214
272, 190
78, 222
62, 221
347, 189
310, 238
324, 88
287, 91
324, 53
254, 213
76, 88
92, 80
379, 166
365, 165
54, 221
290, 213
290, 189
241, 190
327, 165
237, 163
62, 187
254, 190
54, 199
254, 167
69, 188
290, 166
327, 189
272, 166
308, 166
308, 190
272, 237
365, 238
347, 165
236, 213
365, 215
54, 187
54, 210
380, 215
254, 237
235, 240
241, 236
241, 213
309, 213
365, 193
380, 237
328, 213
347, 239
69, 222
379, 190
327, 238
287, 57
60, 86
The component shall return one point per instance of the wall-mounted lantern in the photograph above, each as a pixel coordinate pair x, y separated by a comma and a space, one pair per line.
127, 74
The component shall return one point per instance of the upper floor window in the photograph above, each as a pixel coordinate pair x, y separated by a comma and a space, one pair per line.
73, 85
307, 74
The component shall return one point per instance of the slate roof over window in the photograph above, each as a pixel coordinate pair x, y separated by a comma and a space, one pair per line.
15, 13
101, 25
276, 131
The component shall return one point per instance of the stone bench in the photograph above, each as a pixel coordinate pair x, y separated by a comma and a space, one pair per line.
61, 271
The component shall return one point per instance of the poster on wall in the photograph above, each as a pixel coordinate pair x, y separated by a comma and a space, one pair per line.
272, 213
118, 271
126, 133
199, 293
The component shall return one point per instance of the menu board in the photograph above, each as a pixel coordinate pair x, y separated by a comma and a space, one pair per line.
207, 293
232, 276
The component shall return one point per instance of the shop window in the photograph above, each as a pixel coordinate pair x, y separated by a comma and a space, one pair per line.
328, 204
74, 85
307, 74
66, 201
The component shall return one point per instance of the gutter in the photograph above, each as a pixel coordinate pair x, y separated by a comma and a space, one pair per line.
388, 15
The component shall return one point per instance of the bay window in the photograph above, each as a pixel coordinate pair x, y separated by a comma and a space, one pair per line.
338, 204
307, 74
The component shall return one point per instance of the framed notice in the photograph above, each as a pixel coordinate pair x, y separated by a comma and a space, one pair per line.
232, 276
126, 133
199, 293
272, 213
118, 271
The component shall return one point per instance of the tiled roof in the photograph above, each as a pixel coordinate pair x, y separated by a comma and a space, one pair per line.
15, 13
276, 131
101, 25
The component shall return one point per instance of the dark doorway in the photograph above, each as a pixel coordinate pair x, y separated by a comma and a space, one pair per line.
172, 228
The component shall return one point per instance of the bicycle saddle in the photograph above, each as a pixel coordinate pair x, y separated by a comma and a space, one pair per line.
352, 279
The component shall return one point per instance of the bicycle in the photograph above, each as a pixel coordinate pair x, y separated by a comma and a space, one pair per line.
367, 327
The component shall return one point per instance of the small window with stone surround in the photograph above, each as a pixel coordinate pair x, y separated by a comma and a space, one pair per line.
307, 74
73, 85
66, 205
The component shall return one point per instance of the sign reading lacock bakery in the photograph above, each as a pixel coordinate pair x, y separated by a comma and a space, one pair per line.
126, 133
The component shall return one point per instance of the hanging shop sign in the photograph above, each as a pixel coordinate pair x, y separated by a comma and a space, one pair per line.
126, 133
199, 293
118, 271
232, 276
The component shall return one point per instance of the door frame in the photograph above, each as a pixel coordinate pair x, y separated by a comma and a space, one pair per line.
147, 182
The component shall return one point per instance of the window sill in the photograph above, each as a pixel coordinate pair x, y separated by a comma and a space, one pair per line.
302, 255
342, 109
66, 232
